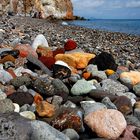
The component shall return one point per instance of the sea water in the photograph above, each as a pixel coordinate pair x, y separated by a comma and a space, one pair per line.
129, 26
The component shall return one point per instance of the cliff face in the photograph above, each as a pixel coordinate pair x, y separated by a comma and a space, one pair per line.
60, 9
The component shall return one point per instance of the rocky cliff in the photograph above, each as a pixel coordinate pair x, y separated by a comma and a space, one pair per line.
60, 9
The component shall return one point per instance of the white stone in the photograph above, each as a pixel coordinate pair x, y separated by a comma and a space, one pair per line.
28, 115
40, 40
17, 108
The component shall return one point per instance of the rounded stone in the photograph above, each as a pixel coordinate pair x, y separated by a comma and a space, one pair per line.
91, 106
107, 102
20, 81
21, 98
60, 89
82, 87
6, 106
137, 113
40, 40
107, 123
71, 133
136, 88
17, 107
44, 88
28, 115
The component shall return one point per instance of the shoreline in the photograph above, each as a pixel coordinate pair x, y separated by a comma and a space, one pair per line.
124, 47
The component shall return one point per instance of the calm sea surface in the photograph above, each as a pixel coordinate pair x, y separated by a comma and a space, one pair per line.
115, 25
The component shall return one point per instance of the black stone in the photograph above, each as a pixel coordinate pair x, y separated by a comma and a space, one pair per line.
104, 61
21, 98
14, 53
61, 72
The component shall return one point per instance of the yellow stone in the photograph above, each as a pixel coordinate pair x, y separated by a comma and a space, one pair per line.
132, 77
77, 60
109, 72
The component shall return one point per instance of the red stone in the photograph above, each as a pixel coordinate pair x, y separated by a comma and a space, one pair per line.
70, 45
58, 51
47, 61
12, 73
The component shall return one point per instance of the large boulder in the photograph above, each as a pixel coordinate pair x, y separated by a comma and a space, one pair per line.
60, 9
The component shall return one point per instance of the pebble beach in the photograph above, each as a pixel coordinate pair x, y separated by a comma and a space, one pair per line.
62, 82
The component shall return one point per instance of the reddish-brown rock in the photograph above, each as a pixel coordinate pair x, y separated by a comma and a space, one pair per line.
47, 61
70, 45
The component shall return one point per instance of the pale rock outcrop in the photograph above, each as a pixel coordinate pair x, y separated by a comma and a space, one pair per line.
60, 9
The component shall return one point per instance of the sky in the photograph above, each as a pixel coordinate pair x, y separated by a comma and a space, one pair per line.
107, 9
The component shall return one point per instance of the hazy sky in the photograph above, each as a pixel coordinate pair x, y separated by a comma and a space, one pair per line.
121, 9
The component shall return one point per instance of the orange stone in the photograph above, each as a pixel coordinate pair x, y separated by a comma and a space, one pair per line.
43, 51
77, 59
109, 72
44, 109
86, 75
7, 58
38, 98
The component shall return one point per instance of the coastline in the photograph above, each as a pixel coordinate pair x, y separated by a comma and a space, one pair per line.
123, 47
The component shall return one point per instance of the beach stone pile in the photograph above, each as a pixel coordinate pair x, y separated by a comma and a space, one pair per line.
66, 93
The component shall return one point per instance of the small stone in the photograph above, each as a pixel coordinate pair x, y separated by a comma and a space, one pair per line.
107, 102
17, 107
137, 113
86, 75
61, 70
98, 95
44, 88
113, 87
68, 119
75, 60
7, 58
109, 72
107, 123
130, 78
128, 134
71, 133
47, 61
57, 100
82, 87
20, 81
28, 115
69, 104
34, 62
5, 76
70, 45
2, 95
21, 98
40, 40
15, 53
137, 104
43, 51
123, 104
132, 120
6, 106
91, 106
58, 51
136, 88
74, 78
38, 98
44, 109
99, 75
104, 61
60, 89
